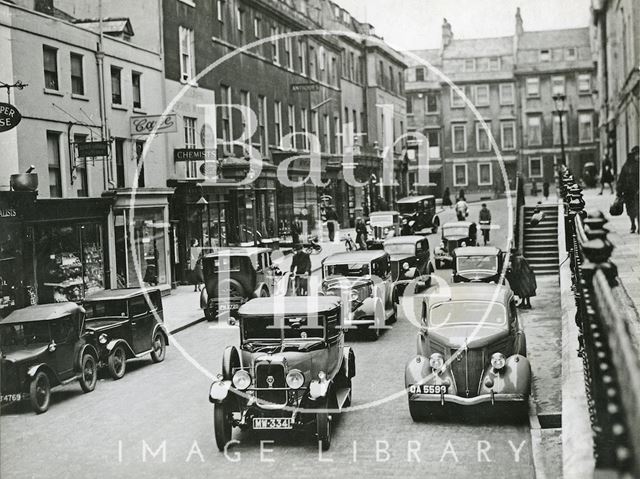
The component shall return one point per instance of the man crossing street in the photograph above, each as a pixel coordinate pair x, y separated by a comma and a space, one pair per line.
484, 219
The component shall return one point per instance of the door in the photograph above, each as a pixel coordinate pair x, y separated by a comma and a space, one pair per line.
64, 334
141, 324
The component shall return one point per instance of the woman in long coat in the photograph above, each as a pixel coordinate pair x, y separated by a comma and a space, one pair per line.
522, 279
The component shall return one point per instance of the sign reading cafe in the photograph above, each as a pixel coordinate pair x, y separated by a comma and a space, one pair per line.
144, 125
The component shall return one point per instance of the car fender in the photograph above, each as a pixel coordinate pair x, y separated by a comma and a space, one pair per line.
204, 298
111, 345
82, 350
260, 287
514, 379
349, 361
230, 361
219, 390
35, 369
319, 389
164, 333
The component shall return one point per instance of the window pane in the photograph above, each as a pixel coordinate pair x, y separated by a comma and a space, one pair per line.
77, 84
458, 138
116, 94
50, 62
534, 130
53, 154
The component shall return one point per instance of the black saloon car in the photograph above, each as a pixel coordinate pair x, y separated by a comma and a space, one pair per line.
42, 347
418, 215
292, 370
477, 264
409, 259
125, 324
454, 235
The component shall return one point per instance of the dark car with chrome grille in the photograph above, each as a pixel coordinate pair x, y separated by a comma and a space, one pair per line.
471, 354
409, 257
478, 264
42, 347
454, 235
292, 370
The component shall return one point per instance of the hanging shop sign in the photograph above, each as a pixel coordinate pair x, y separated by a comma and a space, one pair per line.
92, 148
9, 117
144, 125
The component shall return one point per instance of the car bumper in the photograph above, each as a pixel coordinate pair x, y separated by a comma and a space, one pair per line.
472, 401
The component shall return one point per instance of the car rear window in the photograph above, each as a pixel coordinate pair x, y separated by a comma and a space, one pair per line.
474, 263
455, 231
24, 334
455, 313
115, 308
222, 263
399, 248
270, 327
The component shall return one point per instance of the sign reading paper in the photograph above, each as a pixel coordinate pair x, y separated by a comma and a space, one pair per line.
144, 125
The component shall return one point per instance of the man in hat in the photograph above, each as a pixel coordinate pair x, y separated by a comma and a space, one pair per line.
300, 269
485, 222
627, 187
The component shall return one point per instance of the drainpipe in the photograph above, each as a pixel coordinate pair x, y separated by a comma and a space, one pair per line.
104, 128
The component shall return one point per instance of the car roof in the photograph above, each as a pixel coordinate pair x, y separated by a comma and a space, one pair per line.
469, 292
42, 312
289, 305
452, 224
477, 251
238, 251
120, 293
404, 239
415, 199
354, 256
385, 212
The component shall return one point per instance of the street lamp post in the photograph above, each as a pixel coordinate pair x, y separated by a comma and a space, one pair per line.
559, 100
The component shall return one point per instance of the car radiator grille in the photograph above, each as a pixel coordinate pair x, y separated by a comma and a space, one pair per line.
8, 378
269, 394
467, 369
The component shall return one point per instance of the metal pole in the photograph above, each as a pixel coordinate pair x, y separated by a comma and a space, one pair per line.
562, 159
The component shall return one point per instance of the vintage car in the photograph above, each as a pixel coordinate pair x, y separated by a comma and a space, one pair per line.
383, 224
477, 264
42, 347
233, 276
292, 370
363, 280
126, 324
418, 215
471, 352
409, 259
454, 235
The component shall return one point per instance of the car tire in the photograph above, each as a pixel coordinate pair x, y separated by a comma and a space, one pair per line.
117, 362
40, 392
158, 347
416, 412
436, 225
323, 430
88, 373
222, 426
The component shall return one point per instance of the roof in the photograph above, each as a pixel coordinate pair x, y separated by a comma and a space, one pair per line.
477, 251
122, 293
238, 251
454, 224
469, 292
570, 37
354, 256
432, 56
403, 239
479, 47
42, 312
414, 199
301, 305
110, 26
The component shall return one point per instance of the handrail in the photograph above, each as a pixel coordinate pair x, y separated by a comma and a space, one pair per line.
611, 364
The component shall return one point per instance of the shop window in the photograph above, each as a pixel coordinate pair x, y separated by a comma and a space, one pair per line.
50, 64
13, 290
119, 147
53, 154
116, 86
77, 76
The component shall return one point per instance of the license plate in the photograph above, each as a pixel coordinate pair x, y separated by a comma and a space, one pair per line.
9, 398
228, 306
428, 389
272, 423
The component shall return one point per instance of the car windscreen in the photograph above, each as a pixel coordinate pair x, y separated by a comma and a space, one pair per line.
400, 248
115, 308
455, 231
347, 269
24, 334
475, 263
455, 313
288, 327
223, 263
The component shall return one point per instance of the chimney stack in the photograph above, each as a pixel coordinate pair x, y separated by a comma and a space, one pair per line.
447, 33
519, 27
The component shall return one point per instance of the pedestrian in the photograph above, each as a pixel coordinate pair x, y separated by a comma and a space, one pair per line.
270, 227
332, 222
606, 176
627, 187
522, 279
300, 270
538, 216
295, 232
545, 190
461, 196
361, 234
484, 218
195, 263
462, 208
446, 198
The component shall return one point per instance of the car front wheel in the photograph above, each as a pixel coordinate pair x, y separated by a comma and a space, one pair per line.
222, 426
88, 373
323, 428
158, 347
117, 362
40, 392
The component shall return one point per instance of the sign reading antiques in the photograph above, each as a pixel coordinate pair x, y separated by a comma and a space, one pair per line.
144, 125
301, 87
9, 117
92, 148
194, 154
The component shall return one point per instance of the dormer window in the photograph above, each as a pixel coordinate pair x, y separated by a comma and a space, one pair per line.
545, 55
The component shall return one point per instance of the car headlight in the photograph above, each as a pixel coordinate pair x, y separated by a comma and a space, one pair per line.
405, 265
498, 361
102, 339
436, 361
241, 380
354, 295
442, 244
295, 379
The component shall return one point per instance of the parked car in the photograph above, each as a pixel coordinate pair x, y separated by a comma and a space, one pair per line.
42, 347
291, 371
454, 234
418, 214
477, 264
363, 280
471, 352
410, 257
383, 224
126, 324
233, 276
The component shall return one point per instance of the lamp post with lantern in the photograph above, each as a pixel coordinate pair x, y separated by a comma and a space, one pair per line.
559, 101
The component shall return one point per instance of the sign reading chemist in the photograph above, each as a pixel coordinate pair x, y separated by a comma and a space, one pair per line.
9, 117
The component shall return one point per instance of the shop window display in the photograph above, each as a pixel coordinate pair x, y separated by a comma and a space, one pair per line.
10, 268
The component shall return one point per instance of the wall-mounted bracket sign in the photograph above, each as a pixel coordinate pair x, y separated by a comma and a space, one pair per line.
144, 125
92, 149
9, 117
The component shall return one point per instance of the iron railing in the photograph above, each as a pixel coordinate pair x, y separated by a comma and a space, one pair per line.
603, 316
